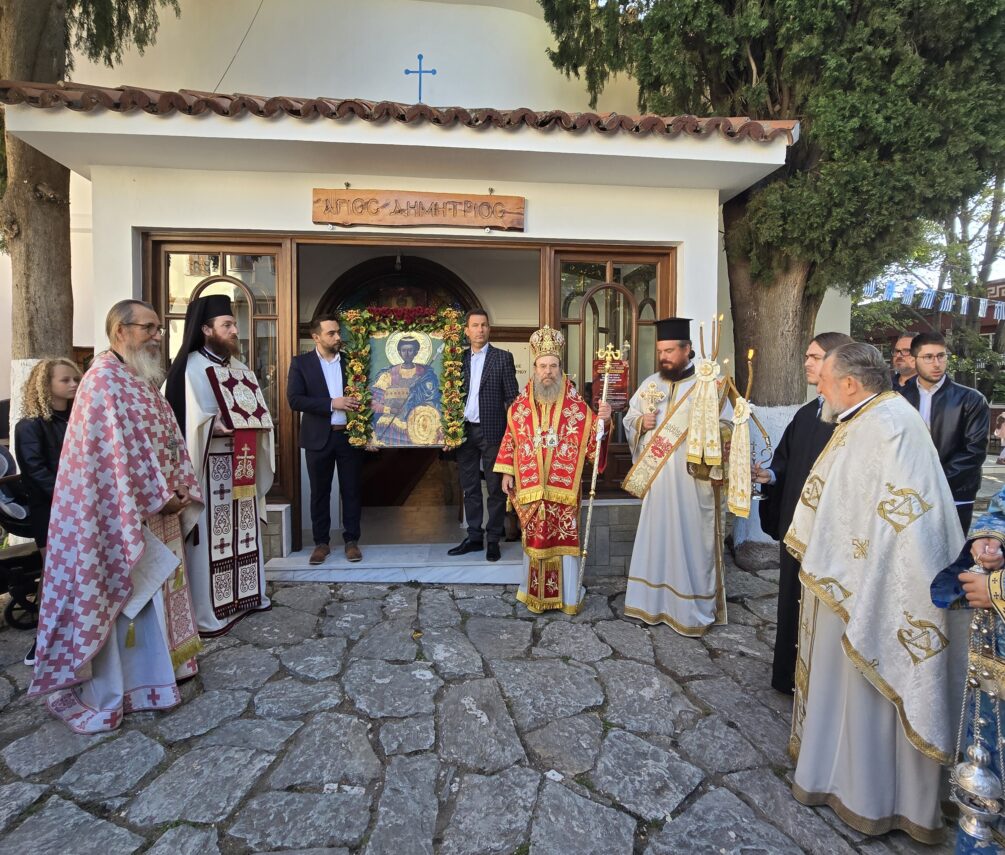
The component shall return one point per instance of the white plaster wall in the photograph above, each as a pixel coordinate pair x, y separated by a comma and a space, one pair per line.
6, 306
127, 201
486, 55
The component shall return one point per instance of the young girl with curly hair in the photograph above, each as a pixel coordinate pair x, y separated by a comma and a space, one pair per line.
38, 440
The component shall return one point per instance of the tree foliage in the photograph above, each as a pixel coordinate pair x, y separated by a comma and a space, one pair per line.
956, 255
899, 104
102, 29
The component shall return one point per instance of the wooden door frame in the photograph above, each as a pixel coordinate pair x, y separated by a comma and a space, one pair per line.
286, 244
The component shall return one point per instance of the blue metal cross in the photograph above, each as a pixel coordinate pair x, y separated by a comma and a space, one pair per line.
420, 72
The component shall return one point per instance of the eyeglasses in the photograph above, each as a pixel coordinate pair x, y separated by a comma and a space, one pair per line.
149, 329
934, 357
906, 351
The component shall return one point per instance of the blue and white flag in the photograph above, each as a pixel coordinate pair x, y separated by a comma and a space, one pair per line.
870, 289
891, 288
908, 296
982, 307
1000, 311
927, 298
947, 302
964, 304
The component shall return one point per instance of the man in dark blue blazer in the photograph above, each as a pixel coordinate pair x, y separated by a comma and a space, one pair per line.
489, 388
316, 388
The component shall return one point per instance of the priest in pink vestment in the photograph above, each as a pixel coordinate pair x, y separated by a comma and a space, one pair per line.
116, 628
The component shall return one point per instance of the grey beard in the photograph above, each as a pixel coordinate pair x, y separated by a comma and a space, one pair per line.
547, 394
827, 414
146, 366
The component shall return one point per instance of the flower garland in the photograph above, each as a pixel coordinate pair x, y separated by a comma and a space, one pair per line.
362, 324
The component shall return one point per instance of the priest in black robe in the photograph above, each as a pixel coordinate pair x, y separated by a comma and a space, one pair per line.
803, 440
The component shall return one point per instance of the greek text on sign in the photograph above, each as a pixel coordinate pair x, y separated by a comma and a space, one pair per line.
405, 208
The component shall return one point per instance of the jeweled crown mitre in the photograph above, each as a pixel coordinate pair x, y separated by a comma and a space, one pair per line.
547, 342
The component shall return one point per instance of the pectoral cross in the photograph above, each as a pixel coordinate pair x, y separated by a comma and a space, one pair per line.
653, 396
174, 446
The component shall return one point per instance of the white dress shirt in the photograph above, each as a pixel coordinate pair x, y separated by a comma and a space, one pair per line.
332, 369
471, 413
925, 400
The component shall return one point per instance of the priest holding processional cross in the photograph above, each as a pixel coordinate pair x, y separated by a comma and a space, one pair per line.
228, 431
682, 423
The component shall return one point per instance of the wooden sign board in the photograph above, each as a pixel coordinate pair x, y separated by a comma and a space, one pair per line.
406, 208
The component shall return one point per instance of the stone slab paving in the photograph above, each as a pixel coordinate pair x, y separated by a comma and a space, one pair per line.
366, 719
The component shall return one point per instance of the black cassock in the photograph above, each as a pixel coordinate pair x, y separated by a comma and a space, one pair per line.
801, 444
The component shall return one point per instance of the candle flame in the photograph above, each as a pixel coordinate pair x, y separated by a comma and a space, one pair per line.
750, 354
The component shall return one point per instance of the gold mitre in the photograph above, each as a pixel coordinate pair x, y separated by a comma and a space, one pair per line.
547, 342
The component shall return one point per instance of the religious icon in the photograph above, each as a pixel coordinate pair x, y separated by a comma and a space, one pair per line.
405, 389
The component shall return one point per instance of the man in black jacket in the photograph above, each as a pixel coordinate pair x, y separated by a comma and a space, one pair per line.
489, 388
797, 451
316, 388
958, 418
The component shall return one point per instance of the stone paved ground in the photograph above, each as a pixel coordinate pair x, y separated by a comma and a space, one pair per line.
379, 719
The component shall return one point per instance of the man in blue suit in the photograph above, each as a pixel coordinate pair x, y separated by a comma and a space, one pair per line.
316, 388
489, 388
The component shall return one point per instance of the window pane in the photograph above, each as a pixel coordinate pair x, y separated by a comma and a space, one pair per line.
645, 352
571, 359
241, 313
578, 277
175, 335
640, 279
258, 273
184, 272
267, 362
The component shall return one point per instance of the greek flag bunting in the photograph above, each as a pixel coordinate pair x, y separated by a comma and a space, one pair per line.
908, 296
891, 288
1000, 311
870, 289
927, 298
947, 303
982, 307
964, 304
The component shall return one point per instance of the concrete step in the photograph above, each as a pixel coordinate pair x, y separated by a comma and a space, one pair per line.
399, 563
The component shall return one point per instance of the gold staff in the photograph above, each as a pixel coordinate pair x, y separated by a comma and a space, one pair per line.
609, 355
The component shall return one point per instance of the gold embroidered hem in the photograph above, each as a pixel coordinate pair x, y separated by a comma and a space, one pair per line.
689, 631
181, 655
671, 588
868, 826
538, 606
871, 673
551, 551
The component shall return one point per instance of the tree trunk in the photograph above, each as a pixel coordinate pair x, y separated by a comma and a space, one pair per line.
775, 318
35, 208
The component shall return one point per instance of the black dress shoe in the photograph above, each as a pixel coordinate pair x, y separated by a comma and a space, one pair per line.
492, 552
466, 546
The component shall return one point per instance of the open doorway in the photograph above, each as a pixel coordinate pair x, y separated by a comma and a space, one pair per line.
413, 495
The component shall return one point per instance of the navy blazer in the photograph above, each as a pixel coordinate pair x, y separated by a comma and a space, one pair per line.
307, 393
497, 391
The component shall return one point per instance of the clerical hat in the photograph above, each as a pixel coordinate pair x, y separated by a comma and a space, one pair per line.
200, 313
673, 329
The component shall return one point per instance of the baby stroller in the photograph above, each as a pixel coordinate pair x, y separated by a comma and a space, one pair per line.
21, 565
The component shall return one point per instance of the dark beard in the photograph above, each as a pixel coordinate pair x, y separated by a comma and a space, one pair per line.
672, 375
223, 346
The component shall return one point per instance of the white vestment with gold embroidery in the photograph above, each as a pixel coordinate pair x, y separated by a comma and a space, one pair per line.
872, 718
202, 412
675, 576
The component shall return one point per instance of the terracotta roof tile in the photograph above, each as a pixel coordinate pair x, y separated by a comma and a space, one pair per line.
126, 99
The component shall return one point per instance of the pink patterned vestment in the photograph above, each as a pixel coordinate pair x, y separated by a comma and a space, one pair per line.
123, 458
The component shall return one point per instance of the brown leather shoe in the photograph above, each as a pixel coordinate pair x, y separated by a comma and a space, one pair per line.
352, 552
320, 553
